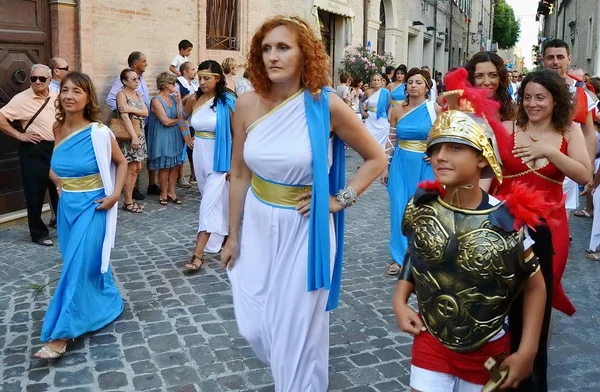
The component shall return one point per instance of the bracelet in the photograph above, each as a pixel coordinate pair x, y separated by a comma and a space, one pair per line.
347, 196
185, 133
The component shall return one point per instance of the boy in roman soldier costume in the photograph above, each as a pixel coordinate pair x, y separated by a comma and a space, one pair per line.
469, 256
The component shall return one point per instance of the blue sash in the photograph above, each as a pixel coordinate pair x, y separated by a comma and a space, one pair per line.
223, 142
318, 118
383, 104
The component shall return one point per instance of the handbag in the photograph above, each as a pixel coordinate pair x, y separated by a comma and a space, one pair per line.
117, 126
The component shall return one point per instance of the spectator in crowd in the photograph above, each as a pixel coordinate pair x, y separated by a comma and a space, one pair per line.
89, 170
59, 68
586, 77
132, 109
389, 74
165, 140
137, 62
229, 68
514, 84
185, 49
244, 85
439, 82
433, 93
487, 70
187, 85
343, 90
34, 109
356, 94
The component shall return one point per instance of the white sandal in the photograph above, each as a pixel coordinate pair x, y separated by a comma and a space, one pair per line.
47, 353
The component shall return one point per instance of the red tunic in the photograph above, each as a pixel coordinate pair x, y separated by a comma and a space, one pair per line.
547, 178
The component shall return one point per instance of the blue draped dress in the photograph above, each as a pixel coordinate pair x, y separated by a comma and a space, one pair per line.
399, 94
85, 300
407, 170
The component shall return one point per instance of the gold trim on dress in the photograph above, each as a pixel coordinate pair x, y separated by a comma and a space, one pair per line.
82, 184
272, 111
413, 145
411, 110
372, 109
203, 105
205, 134
77, 131
277, 195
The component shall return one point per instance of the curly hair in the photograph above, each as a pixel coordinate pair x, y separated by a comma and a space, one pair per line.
563, 108
417, 71
221, 89
92, 108
316, 61
501, 95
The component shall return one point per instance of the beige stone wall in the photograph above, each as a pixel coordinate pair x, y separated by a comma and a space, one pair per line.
111, 29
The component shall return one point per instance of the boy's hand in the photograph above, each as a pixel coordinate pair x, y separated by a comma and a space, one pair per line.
408, 320
519, 368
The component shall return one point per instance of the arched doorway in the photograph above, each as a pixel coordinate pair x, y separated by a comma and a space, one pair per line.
381, 31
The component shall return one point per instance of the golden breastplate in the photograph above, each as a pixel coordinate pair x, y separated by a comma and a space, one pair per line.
466, 270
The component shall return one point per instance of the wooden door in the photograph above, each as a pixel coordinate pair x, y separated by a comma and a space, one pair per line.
24, 41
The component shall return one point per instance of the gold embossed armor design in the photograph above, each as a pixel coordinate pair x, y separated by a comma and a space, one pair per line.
466, 271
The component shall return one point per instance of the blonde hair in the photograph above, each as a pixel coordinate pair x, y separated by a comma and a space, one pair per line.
163, 79
228, 64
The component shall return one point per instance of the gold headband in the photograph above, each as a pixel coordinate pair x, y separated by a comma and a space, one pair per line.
207, 73
296, 22
424, 79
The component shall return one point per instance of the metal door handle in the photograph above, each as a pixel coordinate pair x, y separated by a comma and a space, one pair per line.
19, 76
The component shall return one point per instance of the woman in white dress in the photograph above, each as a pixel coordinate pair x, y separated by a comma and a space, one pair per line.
284, 262
211, 110
376, 110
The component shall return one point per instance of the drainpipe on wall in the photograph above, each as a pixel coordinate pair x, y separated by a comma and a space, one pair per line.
450, 36
434, 35
491, 27
365, 22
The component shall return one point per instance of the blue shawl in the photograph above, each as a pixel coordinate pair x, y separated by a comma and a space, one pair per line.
318, 118
223, 142
383, 104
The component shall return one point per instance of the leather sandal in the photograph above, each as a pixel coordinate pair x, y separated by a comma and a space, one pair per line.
48, 353
133, 207
192, 266
45, 241
394, 269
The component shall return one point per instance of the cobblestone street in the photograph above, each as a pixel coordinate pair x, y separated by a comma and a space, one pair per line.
178, 333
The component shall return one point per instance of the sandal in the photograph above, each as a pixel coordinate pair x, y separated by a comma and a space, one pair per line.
583, 213
163, 202
593, 256
175, 200
45, 241
133, 207
48, 353
394, 269
192, 266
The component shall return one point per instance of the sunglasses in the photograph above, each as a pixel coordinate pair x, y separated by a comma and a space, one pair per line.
35, 79
63, 68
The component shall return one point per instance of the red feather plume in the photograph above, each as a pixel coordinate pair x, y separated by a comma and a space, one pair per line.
481, 104
528, 206
433, 186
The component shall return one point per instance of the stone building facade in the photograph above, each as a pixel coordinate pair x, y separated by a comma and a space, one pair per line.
576, 22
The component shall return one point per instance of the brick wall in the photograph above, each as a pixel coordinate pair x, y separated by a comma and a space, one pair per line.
111, 29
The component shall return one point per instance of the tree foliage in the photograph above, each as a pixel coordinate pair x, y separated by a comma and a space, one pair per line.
506, 27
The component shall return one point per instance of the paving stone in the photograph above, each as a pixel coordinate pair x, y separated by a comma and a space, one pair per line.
70, 379
180, 375
112, 380
178, 333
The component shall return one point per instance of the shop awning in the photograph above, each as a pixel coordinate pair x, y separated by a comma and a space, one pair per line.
338, 7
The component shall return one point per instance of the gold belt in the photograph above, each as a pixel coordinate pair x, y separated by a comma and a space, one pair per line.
82, 184
277, 195
413, 145
396, 102
205, 135
372, 108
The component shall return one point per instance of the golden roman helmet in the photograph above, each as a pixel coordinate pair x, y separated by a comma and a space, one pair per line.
465, 127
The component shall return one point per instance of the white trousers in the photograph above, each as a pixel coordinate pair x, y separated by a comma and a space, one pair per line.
424, 380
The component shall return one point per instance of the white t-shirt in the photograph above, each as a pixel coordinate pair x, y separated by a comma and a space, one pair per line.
178, 60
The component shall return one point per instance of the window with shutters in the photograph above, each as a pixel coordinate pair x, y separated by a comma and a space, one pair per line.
222, 24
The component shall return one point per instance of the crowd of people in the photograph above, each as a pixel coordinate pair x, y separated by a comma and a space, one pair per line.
477, 167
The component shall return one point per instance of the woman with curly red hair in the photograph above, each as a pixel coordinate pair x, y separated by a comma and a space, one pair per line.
284, 264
